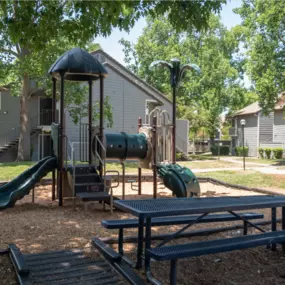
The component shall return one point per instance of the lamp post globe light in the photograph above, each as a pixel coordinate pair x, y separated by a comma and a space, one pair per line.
243, 122
176, 73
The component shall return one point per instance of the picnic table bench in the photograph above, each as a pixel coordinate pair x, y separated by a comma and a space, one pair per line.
176, 220
148, 210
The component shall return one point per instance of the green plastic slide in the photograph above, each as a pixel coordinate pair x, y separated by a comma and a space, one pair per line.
180, 180
22, 184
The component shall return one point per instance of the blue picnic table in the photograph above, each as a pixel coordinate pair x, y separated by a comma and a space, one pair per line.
146, 210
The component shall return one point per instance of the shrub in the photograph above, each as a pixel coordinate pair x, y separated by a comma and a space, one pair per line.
267, 151
261, 152
240, 151
277, 152
224, 150
237, 150
178, 156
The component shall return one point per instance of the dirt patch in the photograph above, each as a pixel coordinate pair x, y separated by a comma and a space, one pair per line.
44, 226
7, 272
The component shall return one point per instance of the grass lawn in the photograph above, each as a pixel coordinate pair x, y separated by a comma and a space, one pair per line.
208, 164
10, 170
202, 157
248, 178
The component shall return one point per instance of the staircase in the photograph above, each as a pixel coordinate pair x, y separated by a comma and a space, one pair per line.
9, 140
14, 142
88, 185
86, 182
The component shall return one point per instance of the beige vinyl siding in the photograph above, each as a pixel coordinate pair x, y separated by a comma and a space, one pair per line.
279, 127
271, 145
266, 128
182, 131
250, 133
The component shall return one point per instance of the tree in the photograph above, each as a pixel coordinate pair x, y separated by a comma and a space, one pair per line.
218, 89
34, 33
80, 110
263, 33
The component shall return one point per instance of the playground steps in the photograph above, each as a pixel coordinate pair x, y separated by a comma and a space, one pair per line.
89, 186
63, 267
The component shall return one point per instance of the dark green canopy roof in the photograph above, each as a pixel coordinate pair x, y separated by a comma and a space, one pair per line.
77, 65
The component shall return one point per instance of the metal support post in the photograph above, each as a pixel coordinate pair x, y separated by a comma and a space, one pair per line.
154, 160
273, 225
283, 227
101, 123
243, 147
53, 121
140, 243
174, 125
139, 169
61, 141
123, 180
90, 117
173, 271
147, 242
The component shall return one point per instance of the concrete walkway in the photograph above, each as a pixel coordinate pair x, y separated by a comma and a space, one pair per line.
229, 159
259, 167
201, 170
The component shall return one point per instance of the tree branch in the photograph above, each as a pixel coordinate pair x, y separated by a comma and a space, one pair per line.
281, 39
18, 48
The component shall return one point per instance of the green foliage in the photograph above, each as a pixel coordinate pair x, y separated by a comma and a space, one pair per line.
178, 156
241, 151
263, 34
81, 111
34, 33
224, 149
277, 152
201, 98
261, 152
267, 152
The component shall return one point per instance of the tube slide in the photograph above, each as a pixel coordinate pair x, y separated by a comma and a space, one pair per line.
180, 180
21, 185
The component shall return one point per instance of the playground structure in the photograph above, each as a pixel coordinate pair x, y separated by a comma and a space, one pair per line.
152, 146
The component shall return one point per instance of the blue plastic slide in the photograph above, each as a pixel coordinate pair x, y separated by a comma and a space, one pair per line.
21, 185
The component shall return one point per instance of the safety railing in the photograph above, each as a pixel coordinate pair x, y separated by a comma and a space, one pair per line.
70, 157
84, 142
112, 187
102, 159
99, 156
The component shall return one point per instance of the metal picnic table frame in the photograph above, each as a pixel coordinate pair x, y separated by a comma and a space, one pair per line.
145, 210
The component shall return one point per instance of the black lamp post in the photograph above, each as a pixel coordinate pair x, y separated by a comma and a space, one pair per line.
176, 73
243, 122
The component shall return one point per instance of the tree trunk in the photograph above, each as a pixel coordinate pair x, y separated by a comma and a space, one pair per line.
24, 146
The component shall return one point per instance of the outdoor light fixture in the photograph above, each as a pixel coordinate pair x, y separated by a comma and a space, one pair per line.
5, 112
176, 73
243, 122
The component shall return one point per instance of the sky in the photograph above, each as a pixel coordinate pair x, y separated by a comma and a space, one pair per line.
113, 48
